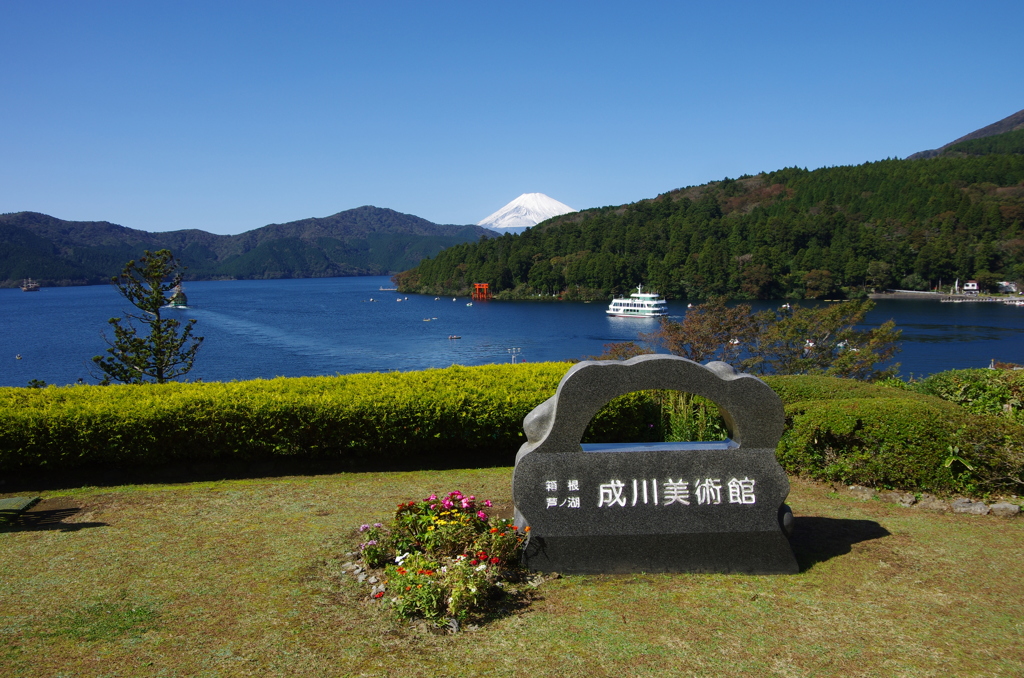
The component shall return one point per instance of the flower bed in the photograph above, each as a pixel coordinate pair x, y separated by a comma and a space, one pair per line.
444, 559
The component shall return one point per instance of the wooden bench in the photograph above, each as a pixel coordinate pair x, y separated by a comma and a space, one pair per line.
12, 507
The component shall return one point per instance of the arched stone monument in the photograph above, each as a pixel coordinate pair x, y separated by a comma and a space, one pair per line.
654, 507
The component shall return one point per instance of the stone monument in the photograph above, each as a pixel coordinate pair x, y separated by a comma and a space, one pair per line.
654, 507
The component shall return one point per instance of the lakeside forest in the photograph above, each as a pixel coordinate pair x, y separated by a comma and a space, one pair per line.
791, 233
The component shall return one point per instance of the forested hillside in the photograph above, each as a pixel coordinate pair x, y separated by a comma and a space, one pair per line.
1008, 124
789, 233
363, 241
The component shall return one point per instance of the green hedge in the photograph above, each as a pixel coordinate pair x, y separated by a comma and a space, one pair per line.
852, 432
795, 389
474, 412
836, 429
980, 391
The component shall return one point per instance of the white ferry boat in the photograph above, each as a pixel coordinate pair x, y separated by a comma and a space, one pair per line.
639, 305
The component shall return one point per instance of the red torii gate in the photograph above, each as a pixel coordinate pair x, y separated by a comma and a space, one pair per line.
481, 291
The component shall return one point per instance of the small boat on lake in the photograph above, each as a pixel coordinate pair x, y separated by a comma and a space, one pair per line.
29, 285
178, 299
640, 304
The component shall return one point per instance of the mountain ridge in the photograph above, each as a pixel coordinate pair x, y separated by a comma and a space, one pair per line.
366, 240
1010, 123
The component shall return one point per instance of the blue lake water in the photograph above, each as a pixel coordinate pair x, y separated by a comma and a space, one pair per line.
325, 326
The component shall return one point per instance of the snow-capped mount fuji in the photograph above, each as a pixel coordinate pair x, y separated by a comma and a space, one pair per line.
527, 210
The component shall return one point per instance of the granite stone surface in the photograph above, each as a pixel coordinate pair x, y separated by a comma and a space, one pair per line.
654, 507
1004, 509
964, 505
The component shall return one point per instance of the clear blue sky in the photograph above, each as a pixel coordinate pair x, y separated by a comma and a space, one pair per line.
227, 116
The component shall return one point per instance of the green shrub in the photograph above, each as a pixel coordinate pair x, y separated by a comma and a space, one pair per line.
980, 391
899, 439
794, 389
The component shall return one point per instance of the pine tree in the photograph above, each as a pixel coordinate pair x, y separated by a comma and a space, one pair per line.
168, 350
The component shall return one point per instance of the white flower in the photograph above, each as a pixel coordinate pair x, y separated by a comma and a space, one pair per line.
399, 559
481, 566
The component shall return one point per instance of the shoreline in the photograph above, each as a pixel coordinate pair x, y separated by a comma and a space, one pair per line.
935, 296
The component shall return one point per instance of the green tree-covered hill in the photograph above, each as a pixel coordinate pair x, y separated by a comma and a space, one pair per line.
789, 233
1008, 124
363, 241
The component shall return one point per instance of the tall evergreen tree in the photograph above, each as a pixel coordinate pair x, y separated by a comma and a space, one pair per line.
168, 349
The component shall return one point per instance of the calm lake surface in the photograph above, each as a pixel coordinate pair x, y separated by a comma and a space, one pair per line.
326, 326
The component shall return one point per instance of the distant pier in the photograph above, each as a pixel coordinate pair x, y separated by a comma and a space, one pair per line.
938, 296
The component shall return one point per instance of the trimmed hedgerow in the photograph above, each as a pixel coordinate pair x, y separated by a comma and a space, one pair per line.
849, 432
794, 388
980, 391
836, 429
385, 418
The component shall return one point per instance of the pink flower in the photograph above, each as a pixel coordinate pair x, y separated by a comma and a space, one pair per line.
432, 506
432, 497
487, 503
481, 515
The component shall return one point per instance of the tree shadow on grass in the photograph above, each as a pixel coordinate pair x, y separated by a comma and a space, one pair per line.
112, 475
816, 540
46, 518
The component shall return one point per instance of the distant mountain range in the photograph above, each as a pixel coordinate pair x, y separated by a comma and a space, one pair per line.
363, 241
527, 210
1010, 123
377, 241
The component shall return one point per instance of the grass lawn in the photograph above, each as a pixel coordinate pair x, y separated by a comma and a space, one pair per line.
244, 578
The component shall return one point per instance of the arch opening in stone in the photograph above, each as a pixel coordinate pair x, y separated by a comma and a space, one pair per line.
655, 416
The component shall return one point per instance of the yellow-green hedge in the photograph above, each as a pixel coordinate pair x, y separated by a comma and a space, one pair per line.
836, 429
471, 412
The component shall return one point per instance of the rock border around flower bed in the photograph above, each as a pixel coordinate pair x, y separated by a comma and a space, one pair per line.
1001, 509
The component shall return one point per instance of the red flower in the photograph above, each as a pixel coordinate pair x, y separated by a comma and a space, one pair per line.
402, 570
495, 560
474, 561
378, 594
493, 530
